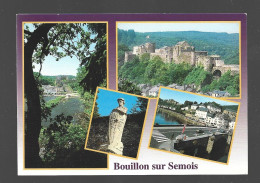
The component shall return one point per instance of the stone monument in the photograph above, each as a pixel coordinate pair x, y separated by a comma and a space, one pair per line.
117, 121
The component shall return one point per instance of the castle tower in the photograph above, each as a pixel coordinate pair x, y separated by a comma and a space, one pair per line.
150, 47
183, 52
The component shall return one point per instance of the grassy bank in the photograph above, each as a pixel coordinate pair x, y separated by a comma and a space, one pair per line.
54, 102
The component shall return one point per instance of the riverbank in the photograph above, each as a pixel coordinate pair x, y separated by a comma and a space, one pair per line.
64, 95
72, 106
180, 117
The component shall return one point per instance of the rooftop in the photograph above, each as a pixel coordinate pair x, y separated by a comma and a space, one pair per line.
203, 109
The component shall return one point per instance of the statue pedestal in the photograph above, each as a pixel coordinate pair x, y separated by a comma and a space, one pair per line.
116, 148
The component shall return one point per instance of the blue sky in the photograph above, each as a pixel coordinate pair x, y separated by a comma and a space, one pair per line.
181, 97
65, 66
161, 27
107, 101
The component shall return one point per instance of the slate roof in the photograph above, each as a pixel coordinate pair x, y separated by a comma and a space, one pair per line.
203, 109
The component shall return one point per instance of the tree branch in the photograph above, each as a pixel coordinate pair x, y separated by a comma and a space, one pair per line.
27, 32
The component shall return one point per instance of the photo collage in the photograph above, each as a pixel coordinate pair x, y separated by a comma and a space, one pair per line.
106, 94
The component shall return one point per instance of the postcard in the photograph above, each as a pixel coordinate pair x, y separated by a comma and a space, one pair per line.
132, 94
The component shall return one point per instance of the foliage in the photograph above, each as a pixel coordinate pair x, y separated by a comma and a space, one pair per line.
126, 37
140, 106
154, 71
60, 140
54, 102
88, 97
96, 63
75, 39
213, 104
121, 53
45, 80
60, 40
199, 77
128, 87
227, 82
232, 107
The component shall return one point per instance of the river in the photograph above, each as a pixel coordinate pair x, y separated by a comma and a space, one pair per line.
165, 119
69, 107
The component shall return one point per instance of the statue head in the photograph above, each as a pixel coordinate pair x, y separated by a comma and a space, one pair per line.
121, 101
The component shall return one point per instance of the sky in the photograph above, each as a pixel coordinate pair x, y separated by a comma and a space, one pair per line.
65, 66
107, 101
161, 27
181, 97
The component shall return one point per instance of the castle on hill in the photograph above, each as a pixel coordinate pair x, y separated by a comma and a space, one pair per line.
183, 52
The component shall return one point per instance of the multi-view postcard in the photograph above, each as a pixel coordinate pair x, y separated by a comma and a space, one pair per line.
132, 94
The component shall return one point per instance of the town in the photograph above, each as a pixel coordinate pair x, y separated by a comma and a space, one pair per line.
152, 91
60, 87
203, 114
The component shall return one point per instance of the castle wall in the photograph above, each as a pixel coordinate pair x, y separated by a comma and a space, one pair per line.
184, 56
219, 63
129, 56
164, 53
150, 47
204, 61
135, 50
183, 52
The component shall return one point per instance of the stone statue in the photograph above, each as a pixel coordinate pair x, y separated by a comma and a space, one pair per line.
117, 121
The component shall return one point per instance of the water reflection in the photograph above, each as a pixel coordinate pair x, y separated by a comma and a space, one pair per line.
165, 119
69, 107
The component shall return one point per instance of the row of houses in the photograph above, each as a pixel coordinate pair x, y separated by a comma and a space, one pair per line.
210, 115
153, 91
215, 118
52, 90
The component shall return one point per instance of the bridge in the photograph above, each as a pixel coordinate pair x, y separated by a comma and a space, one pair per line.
196, 141
220, 70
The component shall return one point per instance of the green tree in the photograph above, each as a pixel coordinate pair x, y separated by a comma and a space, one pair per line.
58, 40
128, 87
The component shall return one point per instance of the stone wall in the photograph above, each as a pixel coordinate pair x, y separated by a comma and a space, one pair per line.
183, 52
129, 56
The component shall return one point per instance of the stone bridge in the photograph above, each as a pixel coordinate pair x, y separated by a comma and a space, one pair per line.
220, 70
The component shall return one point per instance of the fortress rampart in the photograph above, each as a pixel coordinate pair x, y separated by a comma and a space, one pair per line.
182, 52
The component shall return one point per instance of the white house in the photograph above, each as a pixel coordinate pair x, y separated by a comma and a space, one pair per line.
154, 91
194, 106
217, 93
201, 112
49, 90
172, 108
202, 105
213, 108
210, 120
232, 124
219, 120
185, 108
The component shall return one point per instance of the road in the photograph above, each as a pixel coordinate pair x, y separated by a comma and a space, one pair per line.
163, 134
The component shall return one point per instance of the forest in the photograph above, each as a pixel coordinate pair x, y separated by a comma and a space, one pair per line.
154, 71
61, 144
223, 44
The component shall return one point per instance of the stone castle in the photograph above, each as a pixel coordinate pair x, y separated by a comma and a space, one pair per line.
183, 52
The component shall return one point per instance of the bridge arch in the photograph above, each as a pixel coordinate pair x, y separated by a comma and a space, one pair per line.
217, 72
